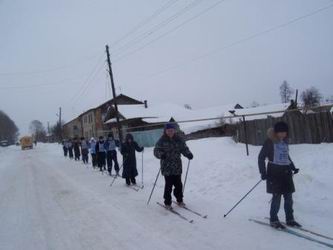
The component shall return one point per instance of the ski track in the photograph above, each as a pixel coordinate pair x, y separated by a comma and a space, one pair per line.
49, 202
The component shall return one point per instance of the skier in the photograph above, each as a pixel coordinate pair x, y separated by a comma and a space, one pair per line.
129, 159
70, 149
92, 146
65, 147
279, 173
100, 151
84, 150
76, 146
111, 154
169, 149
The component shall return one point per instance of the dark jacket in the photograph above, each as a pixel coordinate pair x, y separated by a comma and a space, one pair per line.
279, 177
169, 151
129, 158
77, 148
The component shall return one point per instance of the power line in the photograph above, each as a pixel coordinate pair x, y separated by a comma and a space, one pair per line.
158, 27
170, 31
86, 82
166, 6
49, 70
240, 41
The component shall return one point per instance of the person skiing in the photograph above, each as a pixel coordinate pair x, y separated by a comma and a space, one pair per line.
76, 146
70, 149
65, 147
111, 154
169, 149
84, 150
278, 173
92, 147
100, 151
128, 149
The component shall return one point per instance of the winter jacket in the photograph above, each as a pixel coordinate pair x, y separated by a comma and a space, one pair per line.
279, 175
129, 158
76, 148
111, 144
100, 147
169, 151
92, 147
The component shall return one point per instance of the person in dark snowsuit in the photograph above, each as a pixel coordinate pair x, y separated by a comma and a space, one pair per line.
84, 150
129, 159
70, 149
169, 149
111, 153
92, 147
279, 173
65, 147
76, 147
101, 155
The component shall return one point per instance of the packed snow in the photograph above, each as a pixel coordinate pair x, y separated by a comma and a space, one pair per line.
50, 202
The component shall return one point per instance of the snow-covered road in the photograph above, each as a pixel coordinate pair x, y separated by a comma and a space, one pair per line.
49, 202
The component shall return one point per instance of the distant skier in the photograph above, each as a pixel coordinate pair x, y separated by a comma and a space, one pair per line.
92, 147
111, 153
279, 173
65, 147
76, 146
84, 150
169, 149
70, 149
101, 155
129, 159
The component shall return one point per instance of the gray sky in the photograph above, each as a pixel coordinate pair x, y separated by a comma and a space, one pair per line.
52, 52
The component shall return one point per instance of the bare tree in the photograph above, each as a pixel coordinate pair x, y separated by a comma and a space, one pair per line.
311, 97
38, 130
286, 92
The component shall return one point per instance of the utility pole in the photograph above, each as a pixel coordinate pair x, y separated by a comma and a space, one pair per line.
114, 95
60, 127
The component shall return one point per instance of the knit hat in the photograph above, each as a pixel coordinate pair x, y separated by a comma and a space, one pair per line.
281, 127
170, 126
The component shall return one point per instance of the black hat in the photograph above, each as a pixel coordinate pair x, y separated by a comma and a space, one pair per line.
281, 127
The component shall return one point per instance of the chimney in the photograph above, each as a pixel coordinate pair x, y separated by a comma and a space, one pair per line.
145, 103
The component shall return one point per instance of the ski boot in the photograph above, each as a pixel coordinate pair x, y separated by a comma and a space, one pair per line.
277, 225
181, 204
293, 223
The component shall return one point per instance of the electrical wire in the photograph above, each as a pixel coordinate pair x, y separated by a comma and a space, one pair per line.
156, 28
240, 41
144, 22
169, 32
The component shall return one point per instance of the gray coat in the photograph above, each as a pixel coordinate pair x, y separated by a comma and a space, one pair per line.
169, 151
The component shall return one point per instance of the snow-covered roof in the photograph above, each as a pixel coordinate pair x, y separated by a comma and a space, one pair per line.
160, 113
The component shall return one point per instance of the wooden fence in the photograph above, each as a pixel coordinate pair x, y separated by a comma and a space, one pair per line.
303, 128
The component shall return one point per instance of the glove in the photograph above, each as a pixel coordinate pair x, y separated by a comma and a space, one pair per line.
190, 156
264, 176
163, 156
296, 170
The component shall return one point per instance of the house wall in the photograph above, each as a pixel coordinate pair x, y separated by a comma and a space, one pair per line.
73, 128
89, 124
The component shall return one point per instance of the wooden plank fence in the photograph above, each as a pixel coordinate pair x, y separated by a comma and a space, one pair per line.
303, 128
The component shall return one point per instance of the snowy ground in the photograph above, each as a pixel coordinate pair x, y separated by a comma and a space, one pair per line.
49, 202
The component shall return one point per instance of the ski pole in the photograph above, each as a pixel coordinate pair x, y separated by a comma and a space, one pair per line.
158, 174
188, 166
242, 198
114, 178
142, 171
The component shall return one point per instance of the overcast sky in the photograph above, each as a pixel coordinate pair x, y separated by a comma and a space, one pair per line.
200, 52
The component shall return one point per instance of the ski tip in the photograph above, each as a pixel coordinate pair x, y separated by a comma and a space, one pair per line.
224, 216
205, 216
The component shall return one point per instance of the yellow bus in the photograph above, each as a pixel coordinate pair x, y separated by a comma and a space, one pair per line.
26, 142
